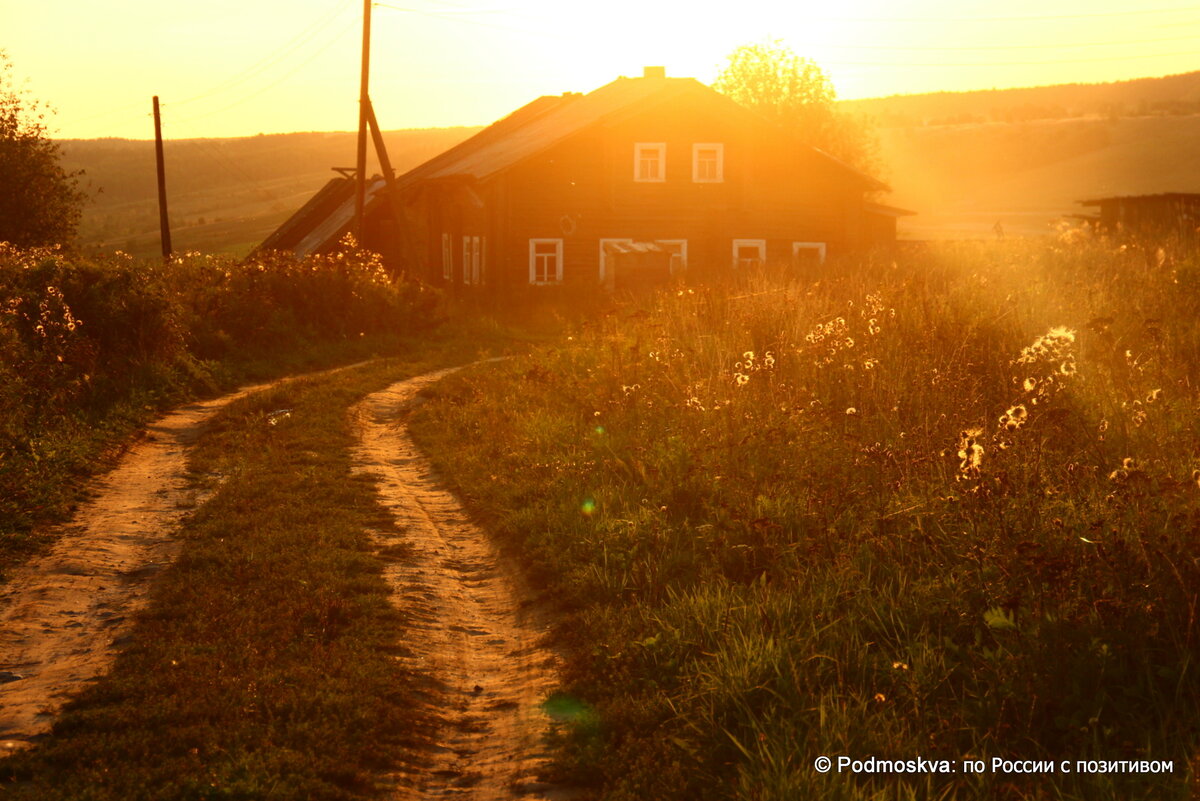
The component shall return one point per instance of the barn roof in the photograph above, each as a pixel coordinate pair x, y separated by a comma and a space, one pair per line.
323, 220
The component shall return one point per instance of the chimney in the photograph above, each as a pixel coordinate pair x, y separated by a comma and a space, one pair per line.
654, 72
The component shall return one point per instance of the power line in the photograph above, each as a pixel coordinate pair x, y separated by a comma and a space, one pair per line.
336, 38
280, 53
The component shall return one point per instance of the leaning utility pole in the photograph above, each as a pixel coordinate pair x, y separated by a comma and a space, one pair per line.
363, 101
163, 225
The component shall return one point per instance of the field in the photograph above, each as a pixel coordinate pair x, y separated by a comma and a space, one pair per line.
943, 506
224, 195
938, 504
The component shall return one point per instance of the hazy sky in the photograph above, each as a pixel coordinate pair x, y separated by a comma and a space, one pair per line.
241, 67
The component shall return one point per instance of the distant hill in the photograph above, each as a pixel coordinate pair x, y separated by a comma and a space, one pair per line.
1172, 95
963, 160
224, 195
1023, 158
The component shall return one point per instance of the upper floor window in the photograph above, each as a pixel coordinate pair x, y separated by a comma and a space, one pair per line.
650, 162
708, 163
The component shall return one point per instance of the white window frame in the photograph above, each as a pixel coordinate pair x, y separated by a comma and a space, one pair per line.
679, 261
604, 255
817, 246
472, 259
447, 258
661, 148
761, 244
558, 257
720, 176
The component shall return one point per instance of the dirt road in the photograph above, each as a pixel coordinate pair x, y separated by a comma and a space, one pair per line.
473, 636
64, 615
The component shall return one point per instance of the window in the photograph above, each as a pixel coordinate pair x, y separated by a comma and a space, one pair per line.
447, 258
749, 253
650, 162
678, 250
708, 163
805, 253
473, 259
545, 261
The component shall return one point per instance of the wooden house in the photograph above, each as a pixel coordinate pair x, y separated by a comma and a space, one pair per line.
638, 180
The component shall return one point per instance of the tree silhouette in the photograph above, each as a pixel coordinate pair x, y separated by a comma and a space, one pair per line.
772, 79
40, 202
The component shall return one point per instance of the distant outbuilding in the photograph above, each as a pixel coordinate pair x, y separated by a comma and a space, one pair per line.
625, 186
1171, 214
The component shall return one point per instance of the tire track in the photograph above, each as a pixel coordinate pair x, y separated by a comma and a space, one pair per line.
64, 615
473, 637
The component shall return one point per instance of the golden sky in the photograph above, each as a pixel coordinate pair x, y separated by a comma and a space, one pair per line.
242, 67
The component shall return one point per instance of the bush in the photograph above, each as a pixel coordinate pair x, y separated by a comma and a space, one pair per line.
88, 347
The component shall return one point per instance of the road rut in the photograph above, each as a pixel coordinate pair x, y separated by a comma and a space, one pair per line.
474, 635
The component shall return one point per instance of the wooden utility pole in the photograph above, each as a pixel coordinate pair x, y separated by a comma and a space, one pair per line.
385, 164
163, 225
363, 101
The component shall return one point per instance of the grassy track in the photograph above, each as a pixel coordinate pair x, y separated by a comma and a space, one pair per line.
262, 666
889, 511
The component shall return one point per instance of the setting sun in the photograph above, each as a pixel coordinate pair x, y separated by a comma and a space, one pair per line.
236, 69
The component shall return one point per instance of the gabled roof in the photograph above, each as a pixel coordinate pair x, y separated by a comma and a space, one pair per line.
549, 120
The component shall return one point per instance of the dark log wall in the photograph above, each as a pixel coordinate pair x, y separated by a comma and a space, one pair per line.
583, 190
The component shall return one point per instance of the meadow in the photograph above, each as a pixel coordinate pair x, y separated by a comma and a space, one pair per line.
942, 504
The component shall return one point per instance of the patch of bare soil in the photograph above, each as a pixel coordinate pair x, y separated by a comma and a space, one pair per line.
64, 615
474, 636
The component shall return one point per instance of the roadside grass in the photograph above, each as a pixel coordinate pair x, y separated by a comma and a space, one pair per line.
261, 667
944, 507
92, 349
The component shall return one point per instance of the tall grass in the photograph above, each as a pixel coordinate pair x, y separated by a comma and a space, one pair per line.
90, 347
944, 505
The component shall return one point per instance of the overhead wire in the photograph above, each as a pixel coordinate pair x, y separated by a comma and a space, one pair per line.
275, 57
299, 65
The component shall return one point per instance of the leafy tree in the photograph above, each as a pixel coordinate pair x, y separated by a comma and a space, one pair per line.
40, 202
771, 79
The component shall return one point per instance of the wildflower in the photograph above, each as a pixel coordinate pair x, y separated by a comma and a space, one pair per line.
1154, 395
970, 452
851, 411
742, 379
